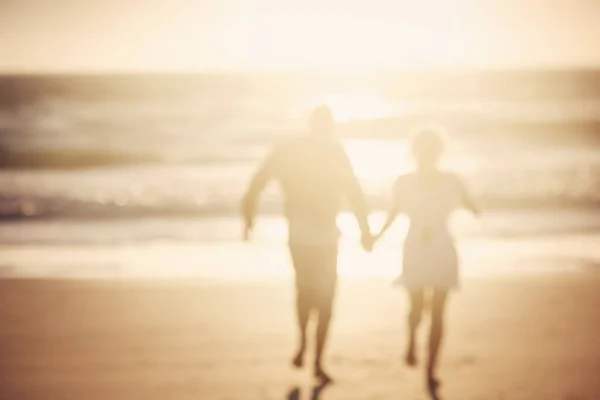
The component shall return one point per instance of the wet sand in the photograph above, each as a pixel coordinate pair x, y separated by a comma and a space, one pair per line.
526, 337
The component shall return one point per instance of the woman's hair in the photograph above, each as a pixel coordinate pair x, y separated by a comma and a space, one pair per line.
429, 140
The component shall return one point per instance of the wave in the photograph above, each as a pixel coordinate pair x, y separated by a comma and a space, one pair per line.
505, 225
248, 145
70, 159
31, 208
82, 159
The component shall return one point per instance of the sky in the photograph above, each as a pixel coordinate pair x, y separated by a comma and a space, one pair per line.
118, 35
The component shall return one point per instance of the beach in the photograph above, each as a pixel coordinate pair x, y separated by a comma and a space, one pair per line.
129, 309
515, 337
123, 274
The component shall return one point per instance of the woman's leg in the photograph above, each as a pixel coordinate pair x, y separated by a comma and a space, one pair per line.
414, 318
437, 331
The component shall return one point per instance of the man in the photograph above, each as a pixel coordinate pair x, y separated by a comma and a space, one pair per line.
315, 175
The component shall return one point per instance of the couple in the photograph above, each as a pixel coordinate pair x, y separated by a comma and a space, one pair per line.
315, 175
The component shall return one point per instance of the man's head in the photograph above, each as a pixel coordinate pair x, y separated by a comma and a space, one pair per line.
322, 122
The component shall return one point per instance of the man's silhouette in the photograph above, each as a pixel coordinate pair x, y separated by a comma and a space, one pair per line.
315, 175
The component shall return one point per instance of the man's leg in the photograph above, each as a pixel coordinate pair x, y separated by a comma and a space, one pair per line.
303, 314
325, 285
322, 331
437, 331
303, 302
414, 319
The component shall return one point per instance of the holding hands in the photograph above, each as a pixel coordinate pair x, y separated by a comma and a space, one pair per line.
248, 226
369, 240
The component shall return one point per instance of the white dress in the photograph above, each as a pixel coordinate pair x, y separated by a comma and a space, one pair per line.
430, 258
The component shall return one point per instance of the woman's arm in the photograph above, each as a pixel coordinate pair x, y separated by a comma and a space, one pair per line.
393, 211
467, 200
471, 205
392, 215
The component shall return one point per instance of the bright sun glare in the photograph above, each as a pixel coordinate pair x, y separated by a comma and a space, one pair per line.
341, 41
372, 161
356, 106
348, 106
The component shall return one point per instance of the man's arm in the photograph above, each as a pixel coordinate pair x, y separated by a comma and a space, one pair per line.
261, 178
355, 195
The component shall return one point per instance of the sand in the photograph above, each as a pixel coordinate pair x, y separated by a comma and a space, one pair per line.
528, 337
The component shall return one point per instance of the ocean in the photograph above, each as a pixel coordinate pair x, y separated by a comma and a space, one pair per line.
141, 175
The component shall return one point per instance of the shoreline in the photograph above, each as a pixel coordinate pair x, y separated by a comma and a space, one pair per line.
267, 258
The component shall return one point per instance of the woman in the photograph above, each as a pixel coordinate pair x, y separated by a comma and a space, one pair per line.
430, 265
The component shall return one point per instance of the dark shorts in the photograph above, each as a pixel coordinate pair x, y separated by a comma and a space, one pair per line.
316, 274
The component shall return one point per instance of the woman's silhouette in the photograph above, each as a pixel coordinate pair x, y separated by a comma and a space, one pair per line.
428, 196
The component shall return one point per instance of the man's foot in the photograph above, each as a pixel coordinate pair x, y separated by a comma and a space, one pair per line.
298, 360
322, 376
411, 358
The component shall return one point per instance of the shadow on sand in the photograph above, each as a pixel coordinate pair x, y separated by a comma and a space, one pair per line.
296, 392
317, 390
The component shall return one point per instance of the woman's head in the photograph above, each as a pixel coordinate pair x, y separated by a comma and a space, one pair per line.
428, 145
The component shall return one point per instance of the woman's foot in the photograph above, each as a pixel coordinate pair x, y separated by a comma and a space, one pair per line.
322, 376
298, 360
433, 383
